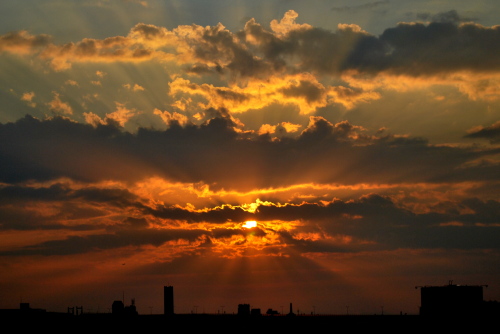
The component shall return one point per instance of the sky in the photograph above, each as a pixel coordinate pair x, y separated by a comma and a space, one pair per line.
333, 154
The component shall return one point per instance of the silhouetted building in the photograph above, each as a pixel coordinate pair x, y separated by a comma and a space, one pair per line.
168, 300
255, 312
25, 308
491, 308
451, 299
244, 309
270, 311
131, 310
78, 310
117, 307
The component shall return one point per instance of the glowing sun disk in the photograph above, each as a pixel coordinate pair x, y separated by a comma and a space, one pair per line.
250, 224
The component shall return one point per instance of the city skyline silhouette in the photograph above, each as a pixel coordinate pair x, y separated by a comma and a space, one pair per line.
451, 300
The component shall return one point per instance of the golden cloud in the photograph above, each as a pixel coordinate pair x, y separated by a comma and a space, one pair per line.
59, 107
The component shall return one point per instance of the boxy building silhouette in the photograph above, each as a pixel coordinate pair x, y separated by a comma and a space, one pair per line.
451, 300
168, 300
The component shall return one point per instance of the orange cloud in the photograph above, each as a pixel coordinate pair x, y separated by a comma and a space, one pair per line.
22, 42
135, 87
266, 128
287, 24
301, 90
290, 127
28, 97
168, 118
476, 86
121, 116
59, 107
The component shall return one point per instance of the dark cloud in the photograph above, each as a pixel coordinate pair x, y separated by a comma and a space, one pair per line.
451, 16
409, 48
22, 207
366, 6
492, 132
214, 153
441, 47
148, 31
217, 216
128, 237
13, 194
311, 92
23, 42
220, 49
384, 225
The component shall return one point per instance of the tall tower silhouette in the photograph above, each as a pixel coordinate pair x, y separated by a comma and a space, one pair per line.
168, 300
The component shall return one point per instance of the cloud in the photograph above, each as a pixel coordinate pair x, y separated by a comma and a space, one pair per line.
492, 132
137, 88
288, 24
143, 3
215, 153
370, 222
59, 107
267, 128
71, 82
109, 50
22, 42
28, 98
93, 243
293, 63
120, 116
170, 118
324, 137
436, 51
366, 6
440, 48
414, 49
451, 16
88, 185
134, 88
303, 91
289, 127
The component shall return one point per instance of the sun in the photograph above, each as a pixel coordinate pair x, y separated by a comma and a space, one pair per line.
250, 224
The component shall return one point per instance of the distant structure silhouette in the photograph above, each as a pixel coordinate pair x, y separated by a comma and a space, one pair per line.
255, 312
168, 300
25, 308
78, 310
243, 309
270, 311
451, 299
118, 308
291, 310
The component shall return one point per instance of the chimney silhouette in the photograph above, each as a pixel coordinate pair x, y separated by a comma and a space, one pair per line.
291, 310
168, 300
